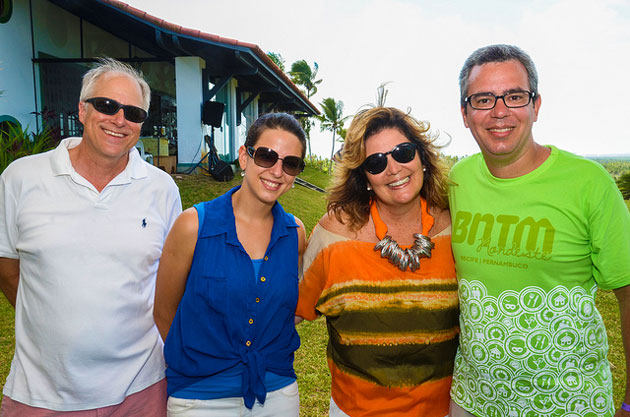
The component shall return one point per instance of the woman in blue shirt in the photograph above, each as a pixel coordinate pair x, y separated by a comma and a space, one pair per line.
227, 287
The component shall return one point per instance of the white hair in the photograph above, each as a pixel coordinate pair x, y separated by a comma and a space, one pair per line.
107, 65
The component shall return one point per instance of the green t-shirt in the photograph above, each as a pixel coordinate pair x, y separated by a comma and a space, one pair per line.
530, 254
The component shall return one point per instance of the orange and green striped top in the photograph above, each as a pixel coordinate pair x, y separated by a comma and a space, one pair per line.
392, 334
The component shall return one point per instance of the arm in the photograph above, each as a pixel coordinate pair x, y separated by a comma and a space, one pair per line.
623, 297
315, 272
301, 241
172, 274
301, 248
9, 278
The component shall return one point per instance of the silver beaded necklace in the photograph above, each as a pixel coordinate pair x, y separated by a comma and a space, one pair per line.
389, 248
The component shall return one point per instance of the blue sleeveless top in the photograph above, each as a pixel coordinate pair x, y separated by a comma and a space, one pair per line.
231, 319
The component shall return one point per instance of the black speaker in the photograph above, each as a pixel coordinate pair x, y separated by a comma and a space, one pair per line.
212, 113
221, 171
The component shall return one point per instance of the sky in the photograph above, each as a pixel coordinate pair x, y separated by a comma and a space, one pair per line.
581, 49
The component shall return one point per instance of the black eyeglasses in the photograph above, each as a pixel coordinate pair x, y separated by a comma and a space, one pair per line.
487, 101
377, 162
110, 107
266, 158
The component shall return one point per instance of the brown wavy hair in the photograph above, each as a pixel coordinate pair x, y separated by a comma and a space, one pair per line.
349, 198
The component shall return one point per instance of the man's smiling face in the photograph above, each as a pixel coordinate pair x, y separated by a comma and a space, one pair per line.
503, 134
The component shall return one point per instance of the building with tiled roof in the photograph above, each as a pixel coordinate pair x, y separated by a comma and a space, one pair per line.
202, 84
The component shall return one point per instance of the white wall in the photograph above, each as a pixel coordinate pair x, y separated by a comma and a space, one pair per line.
16, 69
188, 83
221, 135
57, 32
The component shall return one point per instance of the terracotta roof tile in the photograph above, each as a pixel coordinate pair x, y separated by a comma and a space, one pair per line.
171, 26
191, 32
194, 33
209, 36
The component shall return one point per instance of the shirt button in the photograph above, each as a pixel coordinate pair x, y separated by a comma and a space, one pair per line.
251, 321
263, 279
266, 258
257, 300
248, 343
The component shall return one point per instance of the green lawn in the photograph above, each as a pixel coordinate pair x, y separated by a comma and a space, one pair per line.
310, 362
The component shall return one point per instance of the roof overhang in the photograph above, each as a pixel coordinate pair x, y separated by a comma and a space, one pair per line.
225, 58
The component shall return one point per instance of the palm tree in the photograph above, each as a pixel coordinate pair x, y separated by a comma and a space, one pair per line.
307, 123
302, 74
332, 120
277, 59
624, 185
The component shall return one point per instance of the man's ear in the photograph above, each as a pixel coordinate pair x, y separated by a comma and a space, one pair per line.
82, 112
537, 103
464, 115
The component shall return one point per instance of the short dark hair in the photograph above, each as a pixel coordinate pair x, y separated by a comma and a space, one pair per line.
496, 53
283, 121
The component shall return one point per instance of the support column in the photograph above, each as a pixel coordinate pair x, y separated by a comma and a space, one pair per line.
189, 93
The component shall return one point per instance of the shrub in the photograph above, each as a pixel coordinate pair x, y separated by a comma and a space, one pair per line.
16, 142
314, 161
623, 182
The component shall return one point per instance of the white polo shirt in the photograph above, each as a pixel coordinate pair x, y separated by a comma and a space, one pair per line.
84, 329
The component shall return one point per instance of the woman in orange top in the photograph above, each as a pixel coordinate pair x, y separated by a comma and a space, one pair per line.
379, 266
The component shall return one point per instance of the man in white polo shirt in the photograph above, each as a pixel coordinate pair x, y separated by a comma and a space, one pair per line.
81, 234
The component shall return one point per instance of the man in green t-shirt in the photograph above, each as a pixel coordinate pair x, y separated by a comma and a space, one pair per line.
535, 231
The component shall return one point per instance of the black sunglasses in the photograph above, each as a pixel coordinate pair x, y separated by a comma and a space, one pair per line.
110, 107
266, 158
377, 162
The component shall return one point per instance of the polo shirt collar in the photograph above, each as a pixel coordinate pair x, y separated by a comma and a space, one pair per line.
61, 164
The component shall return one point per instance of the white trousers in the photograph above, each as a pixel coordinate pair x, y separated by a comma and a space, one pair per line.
284, 402
335, 411
457, 411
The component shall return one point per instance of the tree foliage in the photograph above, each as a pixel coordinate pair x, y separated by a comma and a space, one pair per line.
449, 160
302, 74
615, 167
623, 182
307, 124
332, 120
277, 59
619, 169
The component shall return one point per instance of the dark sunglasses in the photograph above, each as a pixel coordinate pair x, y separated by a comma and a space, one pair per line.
266, 158
377, 162
110, 107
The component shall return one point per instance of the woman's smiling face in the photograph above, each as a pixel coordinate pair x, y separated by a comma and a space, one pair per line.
399, 183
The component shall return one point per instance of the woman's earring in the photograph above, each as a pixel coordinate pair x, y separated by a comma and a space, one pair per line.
369, 187
242, 173
424, 169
